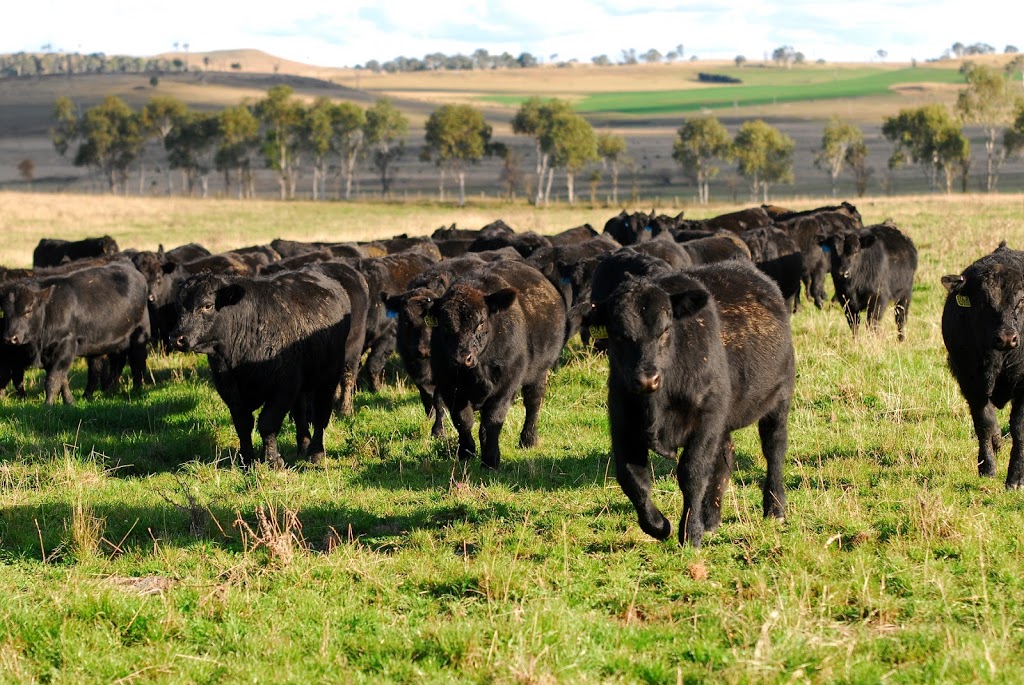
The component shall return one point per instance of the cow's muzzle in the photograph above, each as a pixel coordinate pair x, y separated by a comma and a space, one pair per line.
1006, 339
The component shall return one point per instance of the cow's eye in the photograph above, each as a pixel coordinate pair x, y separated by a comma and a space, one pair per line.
665, 337
207, 308
480, 327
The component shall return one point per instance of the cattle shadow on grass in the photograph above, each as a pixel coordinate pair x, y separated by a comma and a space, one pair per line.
43, 532
130, 437
439, 468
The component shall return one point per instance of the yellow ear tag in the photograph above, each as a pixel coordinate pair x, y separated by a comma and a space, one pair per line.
430, 320
963, 300
598, 332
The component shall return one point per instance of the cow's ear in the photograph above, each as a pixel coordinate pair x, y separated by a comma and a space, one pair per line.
393, 303
229, 295
867, 239
592, 314
500, 300
168, 267
41, 295
688, 302
160, 252
953, 283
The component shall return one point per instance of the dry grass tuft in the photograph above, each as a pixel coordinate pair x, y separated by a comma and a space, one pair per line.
278, 530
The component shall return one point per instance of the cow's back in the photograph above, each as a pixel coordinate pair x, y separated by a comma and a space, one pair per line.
755, 332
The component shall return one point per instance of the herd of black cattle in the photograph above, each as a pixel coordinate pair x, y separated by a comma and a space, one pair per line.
694, 316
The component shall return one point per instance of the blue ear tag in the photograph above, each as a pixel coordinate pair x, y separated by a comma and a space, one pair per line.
430, 320
598, 332
565, 280
392, 314
826, 249
648, 229
963, 300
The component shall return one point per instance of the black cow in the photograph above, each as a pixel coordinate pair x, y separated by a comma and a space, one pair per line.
496, 333
629, 229
51, 251
982, 324
389, 275
183, 253
276, 343
808, 230
695, 355
871, 268
359, 299
413, 334
87, 313
14, 360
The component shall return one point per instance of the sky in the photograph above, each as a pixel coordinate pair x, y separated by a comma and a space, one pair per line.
340, 33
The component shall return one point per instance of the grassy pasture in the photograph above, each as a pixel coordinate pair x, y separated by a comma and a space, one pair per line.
759, 87
132, 551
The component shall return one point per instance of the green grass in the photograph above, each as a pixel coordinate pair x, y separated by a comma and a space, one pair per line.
759, 87
392, 562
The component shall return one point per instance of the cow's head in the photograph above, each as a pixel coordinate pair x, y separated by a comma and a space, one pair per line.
994, 297
158, 275
21, 303
464, 318
200, 299
415, 324
108, 245
640, 322
845, 250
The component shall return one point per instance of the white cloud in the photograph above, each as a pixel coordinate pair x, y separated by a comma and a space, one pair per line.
336, 33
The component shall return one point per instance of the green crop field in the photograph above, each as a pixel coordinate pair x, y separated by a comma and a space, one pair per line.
759, 87
133, 550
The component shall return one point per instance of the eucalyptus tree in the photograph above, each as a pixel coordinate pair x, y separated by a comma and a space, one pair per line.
384, 131
456, 135
837, 140
988, 101
699, 141
282, 117
764, 156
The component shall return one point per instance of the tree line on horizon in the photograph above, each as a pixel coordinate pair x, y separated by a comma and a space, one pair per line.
327, 139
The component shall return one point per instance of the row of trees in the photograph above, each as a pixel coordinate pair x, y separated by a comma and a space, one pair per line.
282, 133
278, 131
32, 64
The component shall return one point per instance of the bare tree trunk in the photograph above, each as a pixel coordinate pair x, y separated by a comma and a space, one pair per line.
547, 189
615, 184
142, 177
462, 187
570, 182
440, 184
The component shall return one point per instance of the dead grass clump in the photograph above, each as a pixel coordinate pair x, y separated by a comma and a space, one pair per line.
278, 531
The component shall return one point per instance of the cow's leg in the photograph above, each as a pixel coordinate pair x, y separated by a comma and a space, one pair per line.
852, 315
300, 414
347, 391
876, 310
492, 420
95, 368
983, 413
719, 482
243, 428
57, 382
901, 311
533, 397
378, 357
269, 425
774, 432
1015, 471
137, 354
320, 404
437, 430
632, 467
57, 374
462, 417
694, 472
